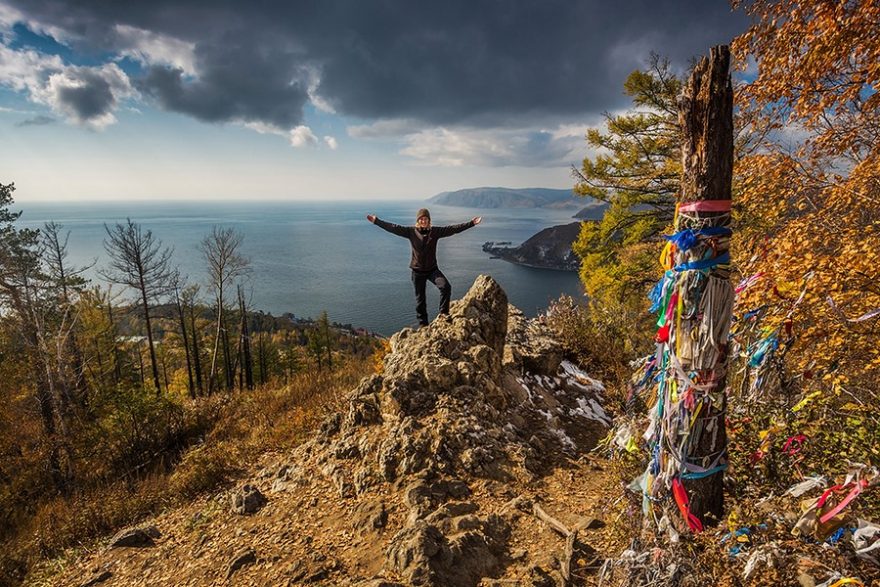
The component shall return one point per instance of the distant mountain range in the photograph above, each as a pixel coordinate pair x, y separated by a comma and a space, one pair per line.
488, 197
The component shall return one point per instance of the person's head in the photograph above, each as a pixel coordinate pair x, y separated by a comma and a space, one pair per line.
423, 218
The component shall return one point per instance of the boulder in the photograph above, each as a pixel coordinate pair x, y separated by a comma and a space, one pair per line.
135, 537
242, 558
248, 500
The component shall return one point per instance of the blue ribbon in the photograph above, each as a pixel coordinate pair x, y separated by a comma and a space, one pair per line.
706, 473
765, 347
704, 263
656, 293
688, 238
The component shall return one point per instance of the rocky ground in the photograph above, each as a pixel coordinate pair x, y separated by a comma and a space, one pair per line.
464, 463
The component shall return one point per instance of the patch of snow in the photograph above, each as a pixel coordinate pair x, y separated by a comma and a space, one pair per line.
581, 376
591, 410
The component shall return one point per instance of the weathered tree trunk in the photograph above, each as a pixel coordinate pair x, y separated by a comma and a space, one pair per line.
184, 336
247, 359
117, 359
141, 366
706, 117
261, 353
229, 369
153, 360
197, 360
212, 377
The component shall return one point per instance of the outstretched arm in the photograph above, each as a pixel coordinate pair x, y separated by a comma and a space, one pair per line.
442, 231
390, 227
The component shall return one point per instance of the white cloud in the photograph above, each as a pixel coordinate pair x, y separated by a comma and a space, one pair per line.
302, 136
314, 77
461, 146
8, 17
331, 142
148, 47
493, 148
86, 96
26, 70
383, 129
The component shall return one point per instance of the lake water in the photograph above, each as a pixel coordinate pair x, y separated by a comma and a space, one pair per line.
308, 256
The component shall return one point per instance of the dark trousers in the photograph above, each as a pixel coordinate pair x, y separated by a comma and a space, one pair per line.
419, 279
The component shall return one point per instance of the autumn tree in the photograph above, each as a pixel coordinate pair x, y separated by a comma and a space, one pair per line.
244, 345
813, 190
636, 170
26, 307
189, 297
68, 283
138, 261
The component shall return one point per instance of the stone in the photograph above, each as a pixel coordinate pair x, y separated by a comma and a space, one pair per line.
415, 552
330, 426
248, 500
423, 555
371, 515
135, 537
242, 558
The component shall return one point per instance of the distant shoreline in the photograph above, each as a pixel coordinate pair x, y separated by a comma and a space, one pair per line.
530, 266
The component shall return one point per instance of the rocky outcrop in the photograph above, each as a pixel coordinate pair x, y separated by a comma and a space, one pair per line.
482, 393
428, 473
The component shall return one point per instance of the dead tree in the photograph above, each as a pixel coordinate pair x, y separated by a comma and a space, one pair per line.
225, 266
185, 338
68, 281
247, 362
138, 261
706, 118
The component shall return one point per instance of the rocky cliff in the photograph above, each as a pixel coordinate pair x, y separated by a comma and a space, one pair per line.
454, 466
548, 249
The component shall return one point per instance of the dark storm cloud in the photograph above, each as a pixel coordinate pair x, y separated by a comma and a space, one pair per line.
487, 63
235, 82
91, 98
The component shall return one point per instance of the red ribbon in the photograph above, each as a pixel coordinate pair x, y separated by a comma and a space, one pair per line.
681, 499
794, 444
705, 206
858, 486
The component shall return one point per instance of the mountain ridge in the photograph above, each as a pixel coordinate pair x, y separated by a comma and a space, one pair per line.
501, 197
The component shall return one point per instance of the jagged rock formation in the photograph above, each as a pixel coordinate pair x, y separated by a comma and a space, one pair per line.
426, 477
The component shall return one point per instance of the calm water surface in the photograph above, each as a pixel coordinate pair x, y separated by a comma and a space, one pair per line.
308, 256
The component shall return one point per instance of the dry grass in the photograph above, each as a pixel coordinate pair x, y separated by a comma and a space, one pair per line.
242, 426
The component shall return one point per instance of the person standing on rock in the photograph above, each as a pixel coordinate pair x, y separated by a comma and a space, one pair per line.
423, 238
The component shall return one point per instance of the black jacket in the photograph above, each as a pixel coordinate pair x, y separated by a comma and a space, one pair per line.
424, 246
